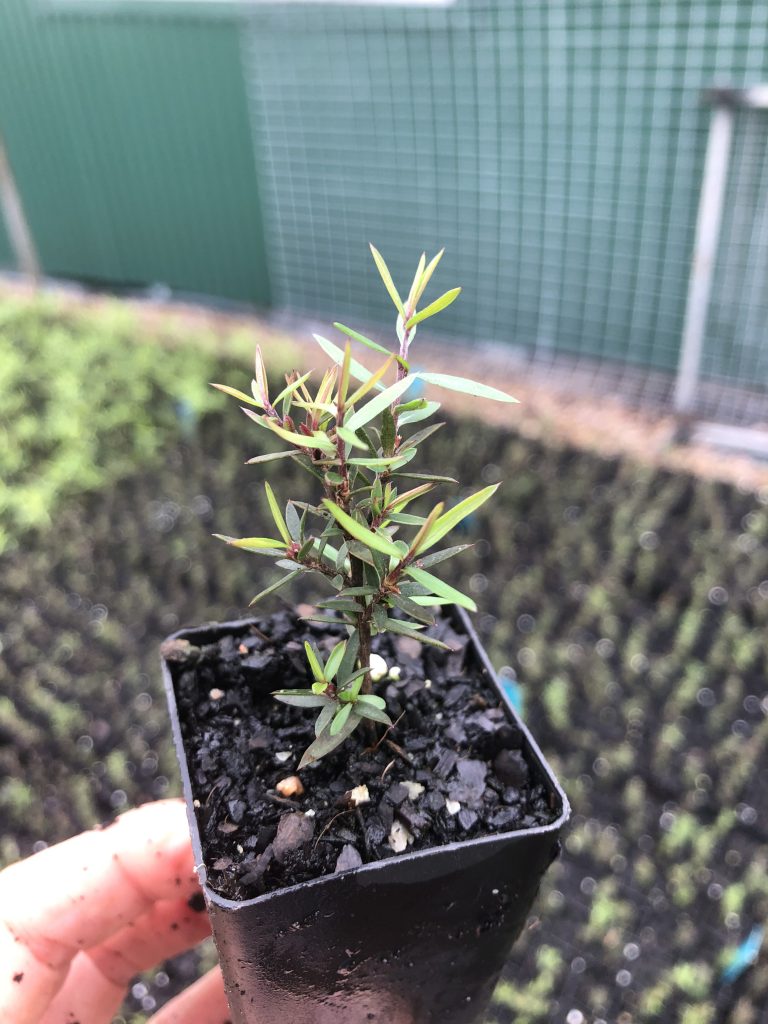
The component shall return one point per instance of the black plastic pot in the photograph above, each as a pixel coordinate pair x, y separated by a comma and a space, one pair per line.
409, 940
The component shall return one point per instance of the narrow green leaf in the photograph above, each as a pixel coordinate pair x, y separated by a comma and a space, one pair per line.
419, 436
272, 457
435, 307
342, 556
363, 435
374, 714
425, 277
361, 552
324, 718
358, 592
317, 440
347, 666
256, 544
372, 700
293, 386
441, 556
401, 501
315, 662
293, 522
412, 300
239, 395
396, 626
440, 588
301, 698
335, 659
356, 370
353, 685
411, 606
350, 437
405, 519
386, 277
394, 461
466, 387
450, 519
340, 604
261, 376
379, 403
275, 586
325, 742
369, 343
340, 718
336, 620
428, 476
374, 541
277, 515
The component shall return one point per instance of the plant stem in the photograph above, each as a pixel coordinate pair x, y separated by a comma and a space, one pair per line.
363, 625
356, 565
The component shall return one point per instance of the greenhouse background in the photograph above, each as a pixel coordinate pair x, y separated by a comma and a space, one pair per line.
248, 152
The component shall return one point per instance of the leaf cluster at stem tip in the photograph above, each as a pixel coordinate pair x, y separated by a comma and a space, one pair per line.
353, 432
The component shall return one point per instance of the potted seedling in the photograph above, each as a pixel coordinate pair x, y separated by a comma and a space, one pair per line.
370, 818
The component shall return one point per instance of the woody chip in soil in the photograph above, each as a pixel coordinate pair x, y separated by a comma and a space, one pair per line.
409, 746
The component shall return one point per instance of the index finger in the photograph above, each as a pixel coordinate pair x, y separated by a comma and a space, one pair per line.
80, 892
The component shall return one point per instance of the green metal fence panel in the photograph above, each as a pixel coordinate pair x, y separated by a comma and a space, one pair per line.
130, 141
555, 148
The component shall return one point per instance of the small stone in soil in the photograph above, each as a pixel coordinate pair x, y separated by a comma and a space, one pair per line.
511, 768
374, 834
396, 794
292, 786
505, 816
471, 785
456, 694
399, 837
357, 796
415, 789
415, 820
434, 801
293, 831
256, 664
236, 810
348, 859
446, 763
467, 818
456, 733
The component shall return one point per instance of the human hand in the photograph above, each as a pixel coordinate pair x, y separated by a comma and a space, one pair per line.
79, 920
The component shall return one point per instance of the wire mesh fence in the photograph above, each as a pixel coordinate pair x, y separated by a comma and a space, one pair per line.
555, 149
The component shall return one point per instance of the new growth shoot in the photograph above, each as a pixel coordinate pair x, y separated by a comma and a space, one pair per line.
355, 434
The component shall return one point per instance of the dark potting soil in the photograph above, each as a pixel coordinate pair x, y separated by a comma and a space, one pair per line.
453, 768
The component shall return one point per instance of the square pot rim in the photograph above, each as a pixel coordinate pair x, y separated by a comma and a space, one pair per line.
365, 872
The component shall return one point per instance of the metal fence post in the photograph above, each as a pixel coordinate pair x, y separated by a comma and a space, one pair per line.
726, 102
704, 255
19, 234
